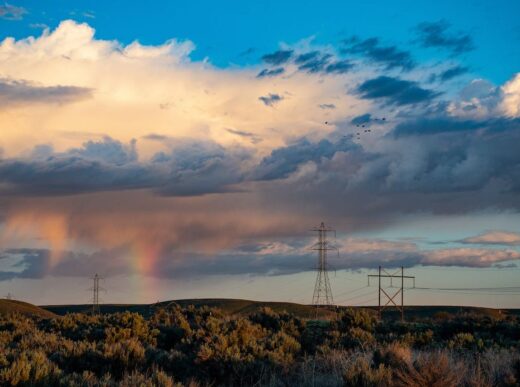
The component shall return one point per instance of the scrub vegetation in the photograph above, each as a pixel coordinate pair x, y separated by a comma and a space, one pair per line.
202, 346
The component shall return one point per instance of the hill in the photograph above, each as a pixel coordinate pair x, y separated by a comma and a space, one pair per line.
244, 307
24, 308
228, 306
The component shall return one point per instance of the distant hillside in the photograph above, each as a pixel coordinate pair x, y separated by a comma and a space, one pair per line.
13, 306
228, 306
244, 307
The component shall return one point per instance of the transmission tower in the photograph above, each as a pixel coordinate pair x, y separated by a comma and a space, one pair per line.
9, 296
95, 294
322, 292
390, 298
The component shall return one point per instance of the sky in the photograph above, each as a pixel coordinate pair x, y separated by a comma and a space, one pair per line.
186, 150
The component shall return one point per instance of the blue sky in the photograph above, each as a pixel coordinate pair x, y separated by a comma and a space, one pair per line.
222, 31
186, 148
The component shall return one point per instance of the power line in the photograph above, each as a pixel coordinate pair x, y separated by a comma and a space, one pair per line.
358, 296
352, 291
503, 288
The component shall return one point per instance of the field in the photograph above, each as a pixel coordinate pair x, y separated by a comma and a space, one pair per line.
216, 342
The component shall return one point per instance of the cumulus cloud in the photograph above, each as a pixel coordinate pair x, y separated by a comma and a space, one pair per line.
479, 98
495, 238
137, 89
216, 177
435, 34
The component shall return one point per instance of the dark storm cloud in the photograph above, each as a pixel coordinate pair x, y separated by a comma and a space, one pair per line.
431, 165
439, 125
395, 91
434, 125
193, 168
270, 99
18, 92
389, 56
66, 175
197, 168
434, 34
270, 73
283, 161
11, 12
278, 57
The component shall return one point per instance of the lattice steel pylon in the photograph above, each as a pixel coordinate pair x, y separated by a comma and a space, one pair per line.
322, 295
95, 296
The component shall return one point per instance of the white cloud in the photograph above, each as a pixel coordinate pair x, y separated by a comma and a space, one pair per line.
511, 102
138, 89
496, 238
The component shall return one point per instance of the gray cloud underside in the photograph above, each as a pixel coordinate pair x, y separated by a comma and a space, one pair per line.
193, 168
431, 156
19, 92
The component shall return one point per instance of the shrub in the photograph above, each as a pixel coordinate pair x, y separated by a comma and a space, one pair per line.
430, 369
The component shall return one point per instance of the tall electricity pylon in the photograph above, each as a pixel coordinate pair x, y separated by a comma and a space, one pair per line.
322, 292
95, 296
